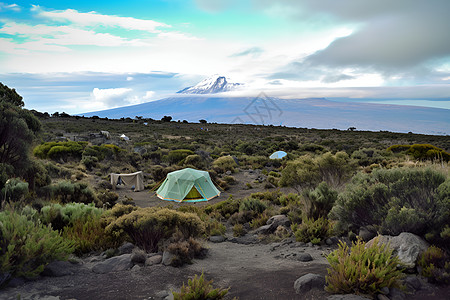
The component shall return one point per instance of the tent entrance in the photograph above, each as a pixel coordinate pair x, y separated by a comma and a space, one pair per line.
193, 194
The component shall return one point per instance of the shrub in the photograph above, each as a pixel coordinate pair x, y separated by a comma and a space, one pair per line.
319, 202
26, 247
178, 156
273, 197
89, 235
89, 162
254, 205
60, 150
224, 163
225, 208
414, 200
14, 190
435, 265
107, 198
363, 269
199, 289
66, 191
238, 230
59, 216
195, 160
147, 226
184, 250
311, 230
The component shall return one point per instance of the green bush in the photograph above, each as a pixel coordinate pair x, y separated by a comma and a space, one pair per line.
311, 230
148, 226
253, 205
422, 151
224, 163
238, 230
89, 161
66, 191
435, 265
396, 200
319, 202
199, 289
88, 234
178, 156
26, 247
60, 216
14, 190
225, 208
362, 269
196, 161
60, 150
184, 250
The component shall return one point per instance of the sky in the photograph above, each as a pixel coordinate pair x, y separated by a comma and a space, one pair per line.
80, 56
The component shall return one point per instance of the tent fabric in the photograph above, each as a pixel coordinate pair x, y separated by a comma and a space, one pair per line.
187, 185
136, 179
278, 155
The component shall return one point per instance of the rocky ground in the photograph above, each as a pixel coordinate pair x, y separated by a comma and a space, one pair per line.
251, 270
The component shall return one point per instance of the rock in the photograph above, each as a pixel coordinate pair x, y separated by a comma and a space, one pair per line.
167, 258
162, 295
412, 283
365, 234
217, 238
309, 244
382, 297
274, 246
228, 173
307, 282
304, 257
384, 290
16, 282
113, 264
153, 260
58, 269
265, 229
406, 246
126, 248
346, 297
396, 294
278, 220
135, 268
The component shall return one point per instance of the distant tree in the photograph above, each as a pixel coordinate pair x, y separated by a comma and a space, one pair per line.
18, 127
185, 121
351, 129
203, 121
64, 115
166, 119
55, 114
138, 117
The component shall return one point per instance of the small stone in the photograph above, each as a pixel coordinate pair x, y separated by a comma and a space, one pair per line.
382, 297
153, 260
126, 248
384, 290
135, 268
217, 238
167, 258
309, 244
307, 282
304, 257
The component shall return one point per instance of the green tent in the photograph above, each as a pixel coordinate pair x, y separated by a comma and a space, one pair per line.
187, 185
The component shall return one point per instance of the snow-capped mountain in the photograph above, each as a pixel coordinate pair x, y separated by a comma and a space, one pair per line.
211, 85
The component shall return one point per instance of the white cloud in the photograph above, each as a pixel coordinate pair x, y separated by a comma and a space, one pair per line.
149, 95
13, 7
111, 97
95, 19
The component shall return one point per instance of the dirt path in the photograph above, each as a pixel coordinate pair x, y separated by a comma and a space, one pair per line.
252, 272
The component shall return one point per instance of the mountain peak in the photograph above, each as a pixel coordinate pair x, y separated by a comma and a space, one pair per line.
211, 85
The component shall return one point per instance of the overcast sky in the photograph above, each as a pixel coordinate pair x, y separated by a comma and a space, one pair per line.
79, 56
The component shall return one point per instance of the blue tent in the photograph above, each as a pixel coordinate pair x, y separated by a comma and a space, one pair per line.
278, 155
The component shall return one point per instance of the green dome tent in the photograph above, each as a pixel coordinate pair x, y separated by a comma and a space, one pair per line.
187, 185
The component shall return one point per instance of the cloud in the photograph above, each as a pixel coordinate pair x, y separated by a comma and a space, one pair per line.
332, 78
13, 7
96, 19
253, 52
111, 97
149, 95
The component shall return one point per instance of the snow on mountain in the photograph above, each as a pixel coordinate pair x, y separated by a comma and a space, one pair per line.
211, 85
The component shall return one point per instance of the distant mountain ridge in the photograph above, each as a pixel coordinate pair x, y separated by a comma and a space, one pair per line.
211, 85
307, 113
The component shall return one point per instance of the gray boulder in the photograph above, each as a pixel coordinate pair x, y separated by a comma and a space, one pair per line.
304, 257
217, 238
307, 282
167, 258
59, 268
126, 248
279, 220
153, 260
265, 229
113, 264
406, 246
